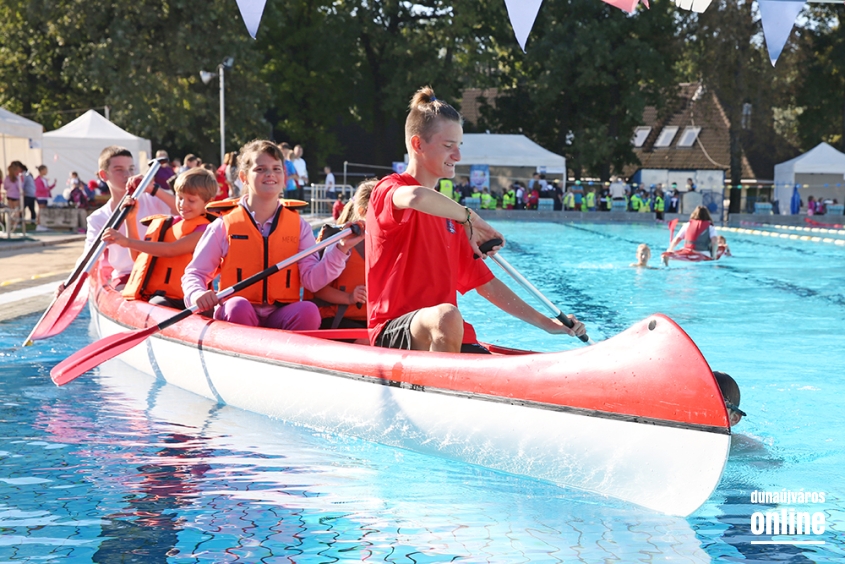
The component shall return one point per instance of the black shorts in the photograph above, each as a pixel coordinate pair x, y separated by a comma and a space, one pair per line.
397, 335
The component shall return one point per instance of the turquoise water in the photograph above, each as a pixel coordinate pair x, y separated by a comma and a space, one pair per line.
120, 467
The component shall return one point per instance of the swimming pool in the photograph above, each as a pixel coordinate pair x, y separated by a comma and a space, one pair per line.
119, 463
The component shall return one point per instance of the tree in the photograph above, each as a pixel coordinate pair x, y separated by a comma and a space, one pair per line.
140, 58
823, 97
581, 88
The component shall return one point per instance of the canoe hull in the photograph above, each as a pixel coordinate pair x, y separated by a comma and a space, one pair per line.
668, 466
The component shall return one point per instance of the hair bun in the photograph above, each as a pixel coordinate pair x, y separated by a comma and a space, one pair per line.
423, 96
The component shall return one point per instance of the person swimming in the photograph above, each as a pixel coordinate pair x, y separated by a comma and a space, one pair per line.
643, 256
731, 395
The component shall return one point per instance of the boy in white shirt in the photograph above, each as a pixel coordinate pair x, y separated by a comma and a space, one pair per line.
116, 169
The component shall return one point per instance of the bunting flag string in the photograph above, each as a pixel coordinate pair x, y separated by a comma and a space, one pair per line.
777, 16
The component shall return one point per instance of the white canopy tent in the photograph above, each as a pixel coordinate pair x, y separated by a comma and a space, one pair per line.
20, 140
820, 166
509, 150
77, 146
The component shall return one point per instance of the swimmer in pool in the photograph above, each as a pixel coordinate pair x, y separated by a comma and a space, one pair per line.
730, 392
643, 256
724, 249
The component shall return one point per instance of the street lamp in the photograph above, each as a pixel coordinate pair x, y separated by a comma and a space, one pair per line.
207, 77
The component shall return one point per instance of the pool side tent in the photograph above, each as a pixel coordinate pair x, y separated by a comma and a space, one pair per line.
510, 158
77, 146
20, 140
820, 172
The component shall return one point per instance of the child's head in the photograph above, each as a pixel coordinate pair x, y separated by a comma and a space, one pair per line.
433, 133
74, 174
721, 240
116, 166
362, 197
643, 254
327, 170
194, 189
731, 395
42, 170
271, 158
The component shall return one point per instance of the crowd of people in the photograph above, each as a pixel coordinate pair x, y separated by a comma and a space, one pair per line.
575, 197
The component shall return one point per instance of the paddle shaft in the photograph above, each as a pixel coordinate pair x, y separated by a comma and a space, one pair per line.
115, 220
246, 282
118, 217
525, 283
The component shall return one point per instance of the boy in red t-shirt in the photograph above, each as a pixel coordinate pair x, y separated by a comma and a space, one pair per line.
420, 246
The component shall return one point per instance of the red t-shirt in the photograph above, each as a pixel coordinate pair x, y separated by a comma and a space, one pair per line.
414, 260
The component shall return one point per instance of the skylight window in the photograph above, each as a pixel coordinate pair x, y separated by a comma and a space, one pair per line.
666, 136
640, 135
689, 136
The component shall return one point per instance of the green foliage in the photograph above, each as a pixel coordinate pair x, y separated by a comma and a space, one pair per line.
589, 72
140, 58
823, 104
320, 65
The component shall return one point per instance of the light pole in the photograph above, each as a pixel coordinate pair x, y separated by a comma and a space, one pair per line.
206, 76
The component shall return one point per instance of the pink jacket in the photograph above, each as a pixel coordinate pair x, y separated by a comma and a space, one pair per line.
42, 191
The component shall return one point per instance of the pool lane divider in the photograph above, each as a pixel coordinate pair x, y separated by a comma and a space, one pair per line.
831, 231
776, 235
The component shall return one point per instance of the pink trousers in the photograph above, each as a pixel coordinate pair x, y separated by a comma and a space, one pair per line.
298, 316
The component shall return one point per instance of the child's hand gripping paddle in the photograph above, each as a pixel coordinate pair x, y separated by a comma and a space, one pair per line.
522, 281
109, 347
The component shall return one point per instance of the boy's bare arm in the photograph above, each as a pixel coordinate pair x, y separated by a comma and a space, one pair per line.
182, 246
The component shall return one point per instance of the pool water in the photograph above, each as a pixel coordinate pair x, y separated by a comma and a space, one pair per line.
120, 467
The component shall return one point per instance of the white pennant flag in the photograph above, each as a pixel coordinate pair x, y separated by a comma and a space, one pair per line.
778, 17
522, 14
251, 12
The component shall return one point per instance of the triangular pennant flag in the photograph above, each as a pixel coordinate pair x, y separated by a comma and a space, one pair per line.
522, 14
695, 5
778, 17
251, 12
626, 5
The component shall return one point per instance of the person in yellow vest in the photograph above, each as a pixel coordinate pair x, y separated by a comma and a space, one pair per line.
636, 202
568, 201
659, 204
343, 302
447, 188
169, 242
645, 202
258, 233
488, 202
590, 199
509, 199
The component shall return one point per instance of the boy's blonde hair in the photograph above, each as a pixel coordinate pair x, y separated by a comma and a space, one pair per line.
110, 152
197, 182
644, 246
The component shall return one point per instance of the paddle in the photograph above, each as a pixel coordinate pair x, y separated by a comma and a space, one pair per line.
67, 304
522, 281
109, 347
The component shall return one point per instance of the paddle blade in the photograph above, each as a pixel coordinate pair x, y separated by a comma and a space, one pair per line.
672, 225
65, 309
97, 353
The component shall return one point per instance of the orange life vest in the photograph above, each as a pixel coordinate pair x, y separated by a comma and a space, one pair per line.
353, 275
697, 236
250, 253
153, 275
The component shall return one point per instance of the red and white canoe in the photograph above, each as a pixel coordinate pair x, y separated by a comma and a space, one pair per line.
638, 417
